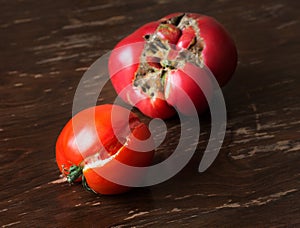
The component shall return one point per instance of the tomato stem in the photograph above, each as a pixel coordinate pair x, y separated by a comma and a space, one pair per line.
74, 173
85, 185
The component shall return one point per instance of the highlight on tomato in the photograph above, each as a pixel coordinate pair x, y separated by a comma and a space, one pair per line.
93, 138
151, 67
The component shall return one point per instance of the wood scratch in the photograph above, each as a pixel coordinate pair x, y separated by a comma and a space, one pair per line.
294, 148
109, 21
137, 215
100, 7
287, 24
266, 199
243, 131
11, 224
57, 59
23, 20
183, 197
283, 145
58, 181
254, 202
257, 116
176, 209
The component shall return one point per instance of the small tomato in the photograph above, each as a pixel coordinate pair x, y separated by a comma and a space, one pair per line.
86, 144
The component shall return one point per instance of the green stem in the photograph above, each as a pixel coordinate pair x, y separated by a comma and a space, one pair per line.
85, 185
74, 173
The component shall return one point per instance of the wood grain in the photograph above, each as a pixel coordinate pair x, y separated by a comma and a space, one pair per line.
46, 47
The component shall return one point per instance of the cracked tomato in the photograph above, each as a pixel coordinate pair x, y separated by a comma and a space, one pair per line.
152, 67
86, 144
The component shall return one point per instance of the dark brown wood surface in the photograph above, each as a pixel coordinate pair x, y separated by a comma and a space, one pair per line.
46, 46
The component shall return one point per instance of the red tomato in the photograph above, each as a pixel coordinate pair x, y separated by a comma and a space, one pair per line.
79, 152
144, 66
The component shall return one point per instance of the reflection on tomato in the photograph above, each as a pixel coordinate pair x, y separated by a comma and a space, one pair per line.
149, 67
79, 151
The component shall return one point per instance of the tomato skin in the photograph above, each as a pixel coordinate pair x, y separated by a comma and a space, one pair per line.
219, 54
183, 87
80, 132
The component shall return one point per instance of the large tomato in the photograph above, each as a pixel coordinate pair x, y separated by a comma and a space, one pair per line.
151, 67
89, 141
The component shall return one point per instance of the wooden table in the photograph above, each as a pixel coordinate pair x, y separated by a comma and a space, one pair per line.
46, 46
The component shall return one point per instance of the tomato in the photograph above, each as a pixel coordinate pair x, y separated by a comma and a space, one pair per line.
151, 67
90, 141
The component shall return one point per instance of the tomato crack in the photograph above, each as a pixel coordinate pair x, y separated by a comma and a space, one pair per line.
175, 20
113, 146
175, 42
